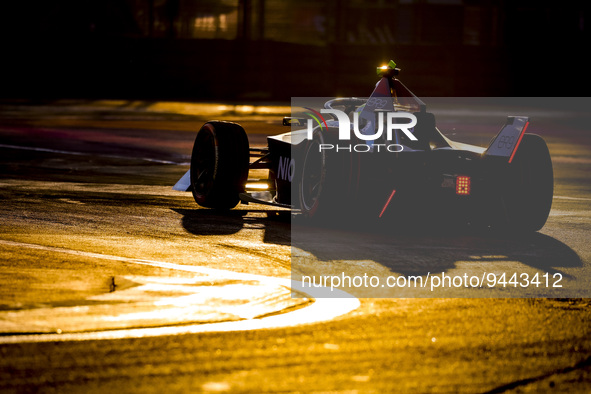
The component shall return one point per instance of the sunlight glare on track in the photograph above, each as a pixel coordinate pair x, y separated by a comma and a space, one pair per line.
322, 309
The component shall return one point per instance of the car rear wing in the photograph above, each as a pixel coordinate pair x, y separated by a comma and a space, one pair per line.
506, 143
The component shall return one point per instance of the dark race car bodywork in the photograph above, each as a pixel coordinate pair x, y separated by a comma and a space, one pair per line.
401, 174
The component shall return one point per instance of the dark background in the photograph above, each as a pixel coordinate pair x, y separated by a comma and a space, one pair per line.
272, 50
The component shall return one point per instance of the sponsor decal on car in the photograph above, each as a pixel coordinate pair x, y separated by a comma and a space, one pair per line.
286, 168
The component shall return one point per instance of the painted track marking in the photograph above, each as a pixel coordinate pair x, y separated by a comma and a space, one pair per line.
322, 309
73, 153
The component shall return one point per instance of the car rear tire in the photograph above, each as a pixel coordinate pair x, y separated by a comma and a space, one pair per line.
219, 165
528, 196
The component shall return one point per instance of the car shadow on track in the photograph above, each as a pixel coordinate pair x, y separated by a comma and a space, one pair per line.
354, 247
423, 249
275, 223
404, 250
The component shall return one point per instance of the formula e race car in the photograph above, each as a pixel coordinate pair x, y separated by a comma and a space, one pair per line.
380, 157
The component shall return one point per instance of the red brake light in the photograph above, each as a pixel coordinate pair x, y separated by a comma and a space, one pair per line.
462, 185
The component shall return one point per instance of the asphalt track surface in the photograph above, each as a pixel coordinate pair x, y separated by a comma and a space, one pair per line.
87, 213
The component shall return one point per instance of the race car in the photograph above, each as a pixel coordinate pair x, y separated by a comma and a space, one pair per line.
355, 156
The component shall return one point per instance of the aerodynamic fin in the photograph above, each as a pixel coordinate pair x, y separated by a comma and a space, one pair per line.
184, 184
506, 143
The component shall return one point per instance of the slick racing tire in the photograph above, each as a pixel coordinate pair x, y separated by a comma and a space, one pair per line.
313, 177
219, 165
528, 196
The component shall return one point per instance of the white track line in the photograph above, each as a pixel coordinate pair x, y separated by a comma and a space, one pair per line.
322, 309
65, 152
572, 198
